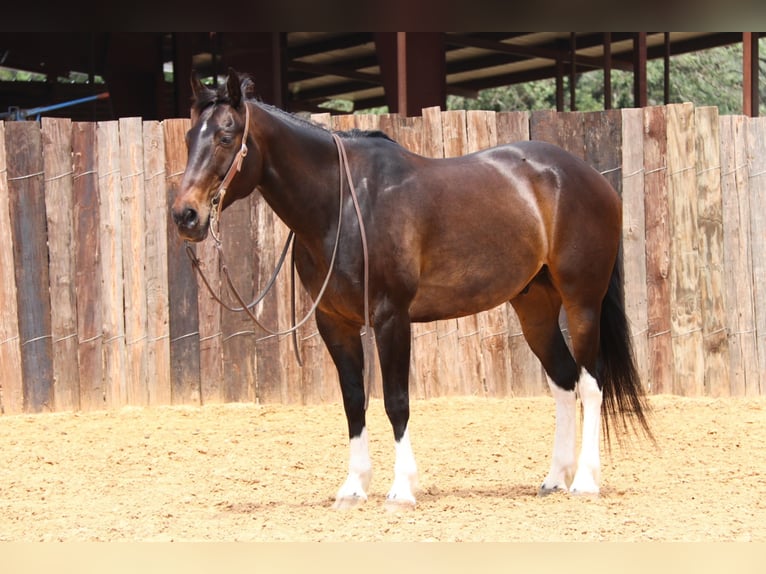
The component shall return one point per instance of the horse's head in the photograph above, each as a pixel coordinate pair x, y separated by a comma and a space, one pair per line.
216, 146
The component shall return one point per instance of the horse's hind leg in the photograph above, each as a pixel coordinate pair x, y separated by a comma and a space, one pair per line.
344, 344
584, 329
538, 310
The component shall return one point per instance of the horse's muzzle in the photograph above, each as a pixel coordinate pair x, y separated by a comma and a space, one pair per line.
190, 225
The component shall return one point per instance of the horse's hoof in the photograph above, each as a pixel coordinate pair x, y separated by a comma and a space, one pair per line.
584, 484
584, 493
545, 491
348, 502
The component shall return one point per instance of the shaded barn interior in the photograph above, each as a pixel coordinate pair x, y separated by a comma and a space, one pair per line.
146, 73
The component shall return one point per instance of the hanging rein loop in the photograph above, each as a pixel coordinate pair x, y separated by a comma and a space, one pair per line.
215, 214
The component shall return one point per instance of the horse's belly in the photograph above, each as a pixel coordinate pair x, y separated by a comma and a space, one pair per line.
467, 294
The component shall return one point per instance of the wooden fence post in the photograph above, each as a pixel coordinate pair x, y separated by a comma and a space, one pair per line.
756, 146
11, 381
658, 247
112, 313
738, 278
685, 302
715, 345
634, 235
157, 316
87, 255
23, 144
133, 209
182, 282
59, 202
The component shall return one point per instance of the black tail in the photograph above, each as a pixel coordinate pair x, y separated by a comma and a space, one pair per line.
624, 399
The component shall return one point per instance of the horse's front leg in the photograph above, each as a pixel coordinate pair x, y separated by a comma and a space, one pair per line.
392, 334
344, 344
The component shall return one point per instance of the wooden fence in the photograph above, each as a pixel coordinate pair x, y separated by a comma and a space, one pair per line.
99, 306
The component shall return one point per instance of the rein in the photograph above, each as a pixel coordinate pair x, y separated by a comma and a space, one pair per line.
215, 215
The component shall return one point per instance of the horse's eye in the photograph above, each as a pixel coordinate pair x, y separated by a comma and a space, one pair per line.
226, 139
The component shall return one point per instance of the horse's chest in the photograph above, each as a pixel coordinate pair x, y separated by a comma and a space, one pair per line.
340, 290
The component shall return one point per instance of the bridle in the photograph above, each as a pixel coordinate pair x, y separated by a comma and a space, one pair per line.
216, 205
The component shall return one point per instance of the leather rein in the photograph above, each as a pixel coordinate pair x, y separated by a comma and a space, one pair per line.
215, 215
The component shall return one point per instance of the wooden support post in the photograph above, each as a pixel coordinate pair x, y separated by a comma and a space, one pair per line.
750, 98
607, 70
639, 70
401, 72
573, 71
666, 70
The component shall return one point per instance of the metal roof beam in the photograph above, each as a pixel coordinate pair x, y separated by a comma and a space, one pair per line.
341, 72
329, 44
534, 52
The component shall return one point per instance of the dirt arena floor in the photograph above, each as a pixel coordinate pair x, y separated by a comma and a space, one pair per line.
269, 473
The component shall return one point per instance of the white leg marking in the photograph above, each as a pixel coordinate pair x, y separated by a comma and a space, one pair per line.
563, 460
359, 470
405, 472
588, 465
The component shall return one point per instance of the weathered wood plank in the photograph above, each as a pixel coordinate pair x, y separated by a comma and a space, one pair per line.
634, 235
11, 382
182, 283
571, 132
756, 146
686, 322
711, 260
239, 332
157, 313
23, 144
289, 371
133, 208
87, 256
544, 126
602, 135
738, 277
112, 314
57, 162
660, 376
512, 127
270, 380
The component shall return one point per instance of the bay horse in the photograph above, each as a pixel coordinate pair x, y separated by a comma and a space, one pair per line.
526, 222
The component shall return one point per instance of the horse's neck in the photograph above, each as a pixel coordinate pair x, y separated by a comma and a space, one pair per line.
300, 177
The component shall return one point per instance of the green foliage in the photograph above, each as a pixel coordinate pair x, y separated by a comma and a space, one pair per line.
708, 78
11, 75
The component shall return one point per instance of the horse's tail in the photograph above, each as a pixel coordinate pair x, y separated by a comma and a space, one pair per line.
624, 399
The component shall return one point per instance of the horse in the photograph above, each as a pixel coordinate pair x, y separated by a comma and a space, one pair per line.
424, 239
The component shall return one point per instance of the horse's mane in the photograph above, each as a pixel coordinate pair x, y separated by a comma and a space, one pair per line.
220, 95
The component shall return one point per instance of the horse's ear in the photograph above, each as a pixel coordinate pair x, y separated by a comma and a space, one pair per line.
197, 86
234, 89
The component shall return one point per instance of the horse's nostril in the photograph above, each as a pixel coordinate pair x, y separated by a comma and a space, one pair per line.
187, 218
